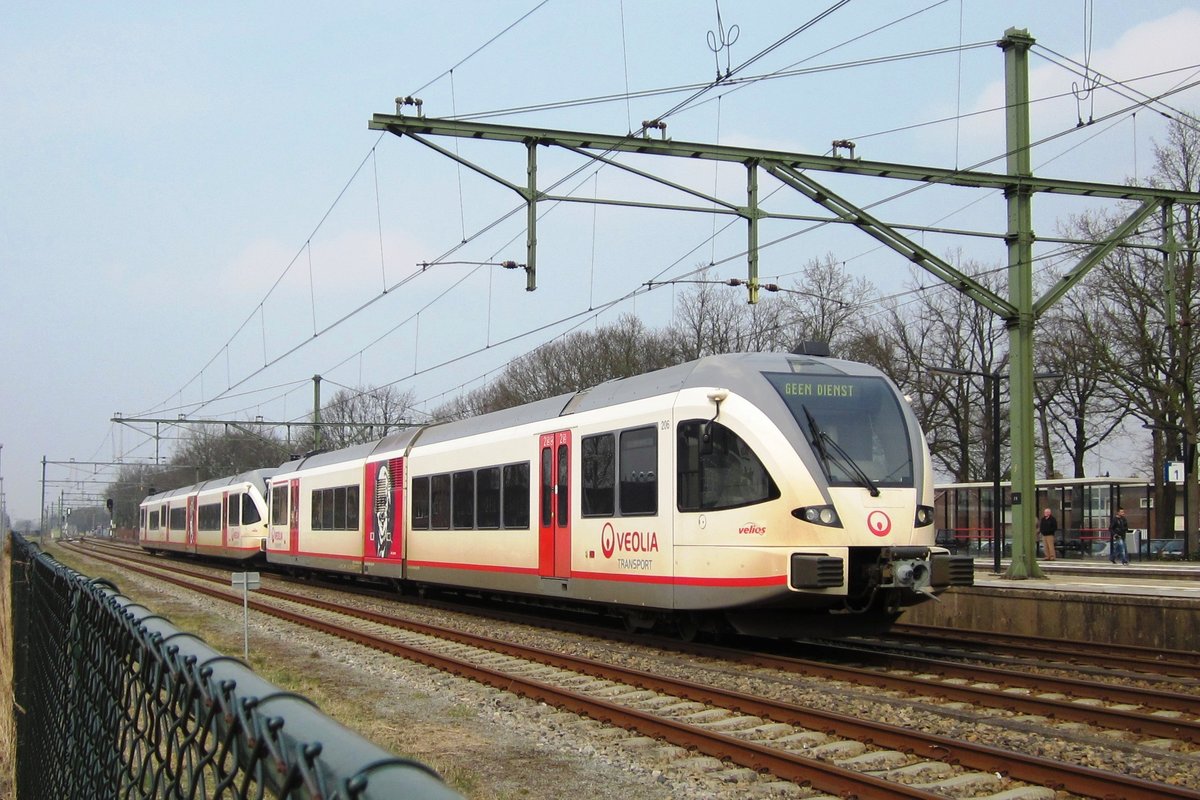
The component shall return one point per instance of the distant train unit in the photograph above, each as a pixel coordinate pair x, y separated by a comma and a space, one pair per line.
224, 517
776, 494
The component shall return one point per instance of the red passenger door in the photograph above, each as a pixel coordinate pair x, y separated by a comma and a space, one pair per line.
224, 519
554, 505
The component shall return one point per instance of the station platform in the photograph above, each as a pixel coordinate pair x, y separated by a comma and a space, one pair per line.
1149, 604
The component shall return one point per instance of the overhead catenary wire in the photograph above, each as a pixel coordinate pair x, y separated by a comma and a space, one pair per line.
726, 83
589, 302
260, 309
1124, 88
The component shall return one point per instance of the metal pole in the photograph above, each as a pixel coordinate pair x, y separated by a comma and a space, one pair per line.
42, 528
997, 506
1189, 453
316, 412
246, 618
1016, 44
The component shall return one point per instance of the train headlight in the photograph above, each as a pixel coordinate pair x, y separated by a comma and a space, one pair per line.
818, 515
924, 516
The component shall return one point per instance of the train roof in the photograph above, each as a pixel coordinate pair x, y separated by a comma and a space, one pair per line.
497, 420
257, 477
732, 370
399, 440
740, 372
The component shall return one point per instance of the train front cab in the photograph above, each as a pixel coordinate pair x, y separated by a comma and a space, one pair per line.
796, 550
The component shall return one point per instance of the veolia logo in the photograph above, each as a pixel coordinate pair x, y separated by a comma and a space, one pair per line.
879, 523
627, 541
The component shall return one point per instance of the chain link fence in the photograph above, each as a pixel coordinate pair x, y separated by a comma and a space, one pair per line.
113, 701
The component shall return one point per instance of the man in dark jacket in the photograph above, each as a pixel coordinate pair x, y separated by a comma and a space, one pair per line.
1116, 538
1048, 526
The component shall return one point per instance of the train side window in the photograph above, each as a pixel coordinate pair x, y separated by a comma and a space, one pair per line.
547, 488
420, 503
516, 495
315, 504
178, 519
563, 488
339, 509
598, 486
439, 502
279, 504
639, 471
487, 498
233, 515
463, 512
352, 508
327, 510
717, 469
208, 517
250, 513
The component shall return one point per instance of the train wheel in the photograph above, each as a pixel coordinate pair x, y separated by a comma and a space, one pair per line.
687, 627
636, 621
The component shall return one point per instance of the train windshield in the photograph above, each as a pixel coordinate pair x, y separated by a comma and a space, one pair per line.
854, 425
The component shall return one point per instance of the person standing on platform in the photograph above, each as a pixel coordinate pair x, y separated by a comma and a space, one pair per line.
1048, 526
1116, 538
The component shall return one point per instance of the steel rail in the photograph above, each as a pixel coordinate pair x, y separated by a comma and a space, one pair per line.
1076, 687
1177, 663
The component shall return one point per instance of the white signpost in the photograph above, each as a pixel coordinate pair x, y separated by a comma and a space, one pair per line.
249, 582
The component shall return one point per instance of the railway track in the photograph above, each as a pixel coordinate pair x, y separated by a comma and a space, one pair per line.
1089, 654
754, 731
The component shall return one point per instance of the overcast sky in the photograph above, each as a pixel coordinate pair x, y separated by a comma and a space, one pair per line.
192, 200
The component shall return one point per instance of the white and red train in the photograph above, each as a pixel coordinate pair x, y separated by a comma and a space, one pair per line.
762, 491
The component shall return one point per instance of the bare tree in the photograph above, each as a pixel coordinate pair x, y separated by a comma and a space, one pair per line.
217, 451
713, 317
825, 304
940, 327
354, 416
578, 361
1078, 408
1142, 325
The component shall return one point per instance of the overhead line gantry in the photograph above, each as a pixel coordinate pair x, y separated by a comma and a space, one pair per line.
1019, 310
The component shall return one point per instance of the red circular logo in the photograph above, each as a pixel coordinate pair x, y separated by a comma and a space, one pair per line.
608, 540
879, 523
